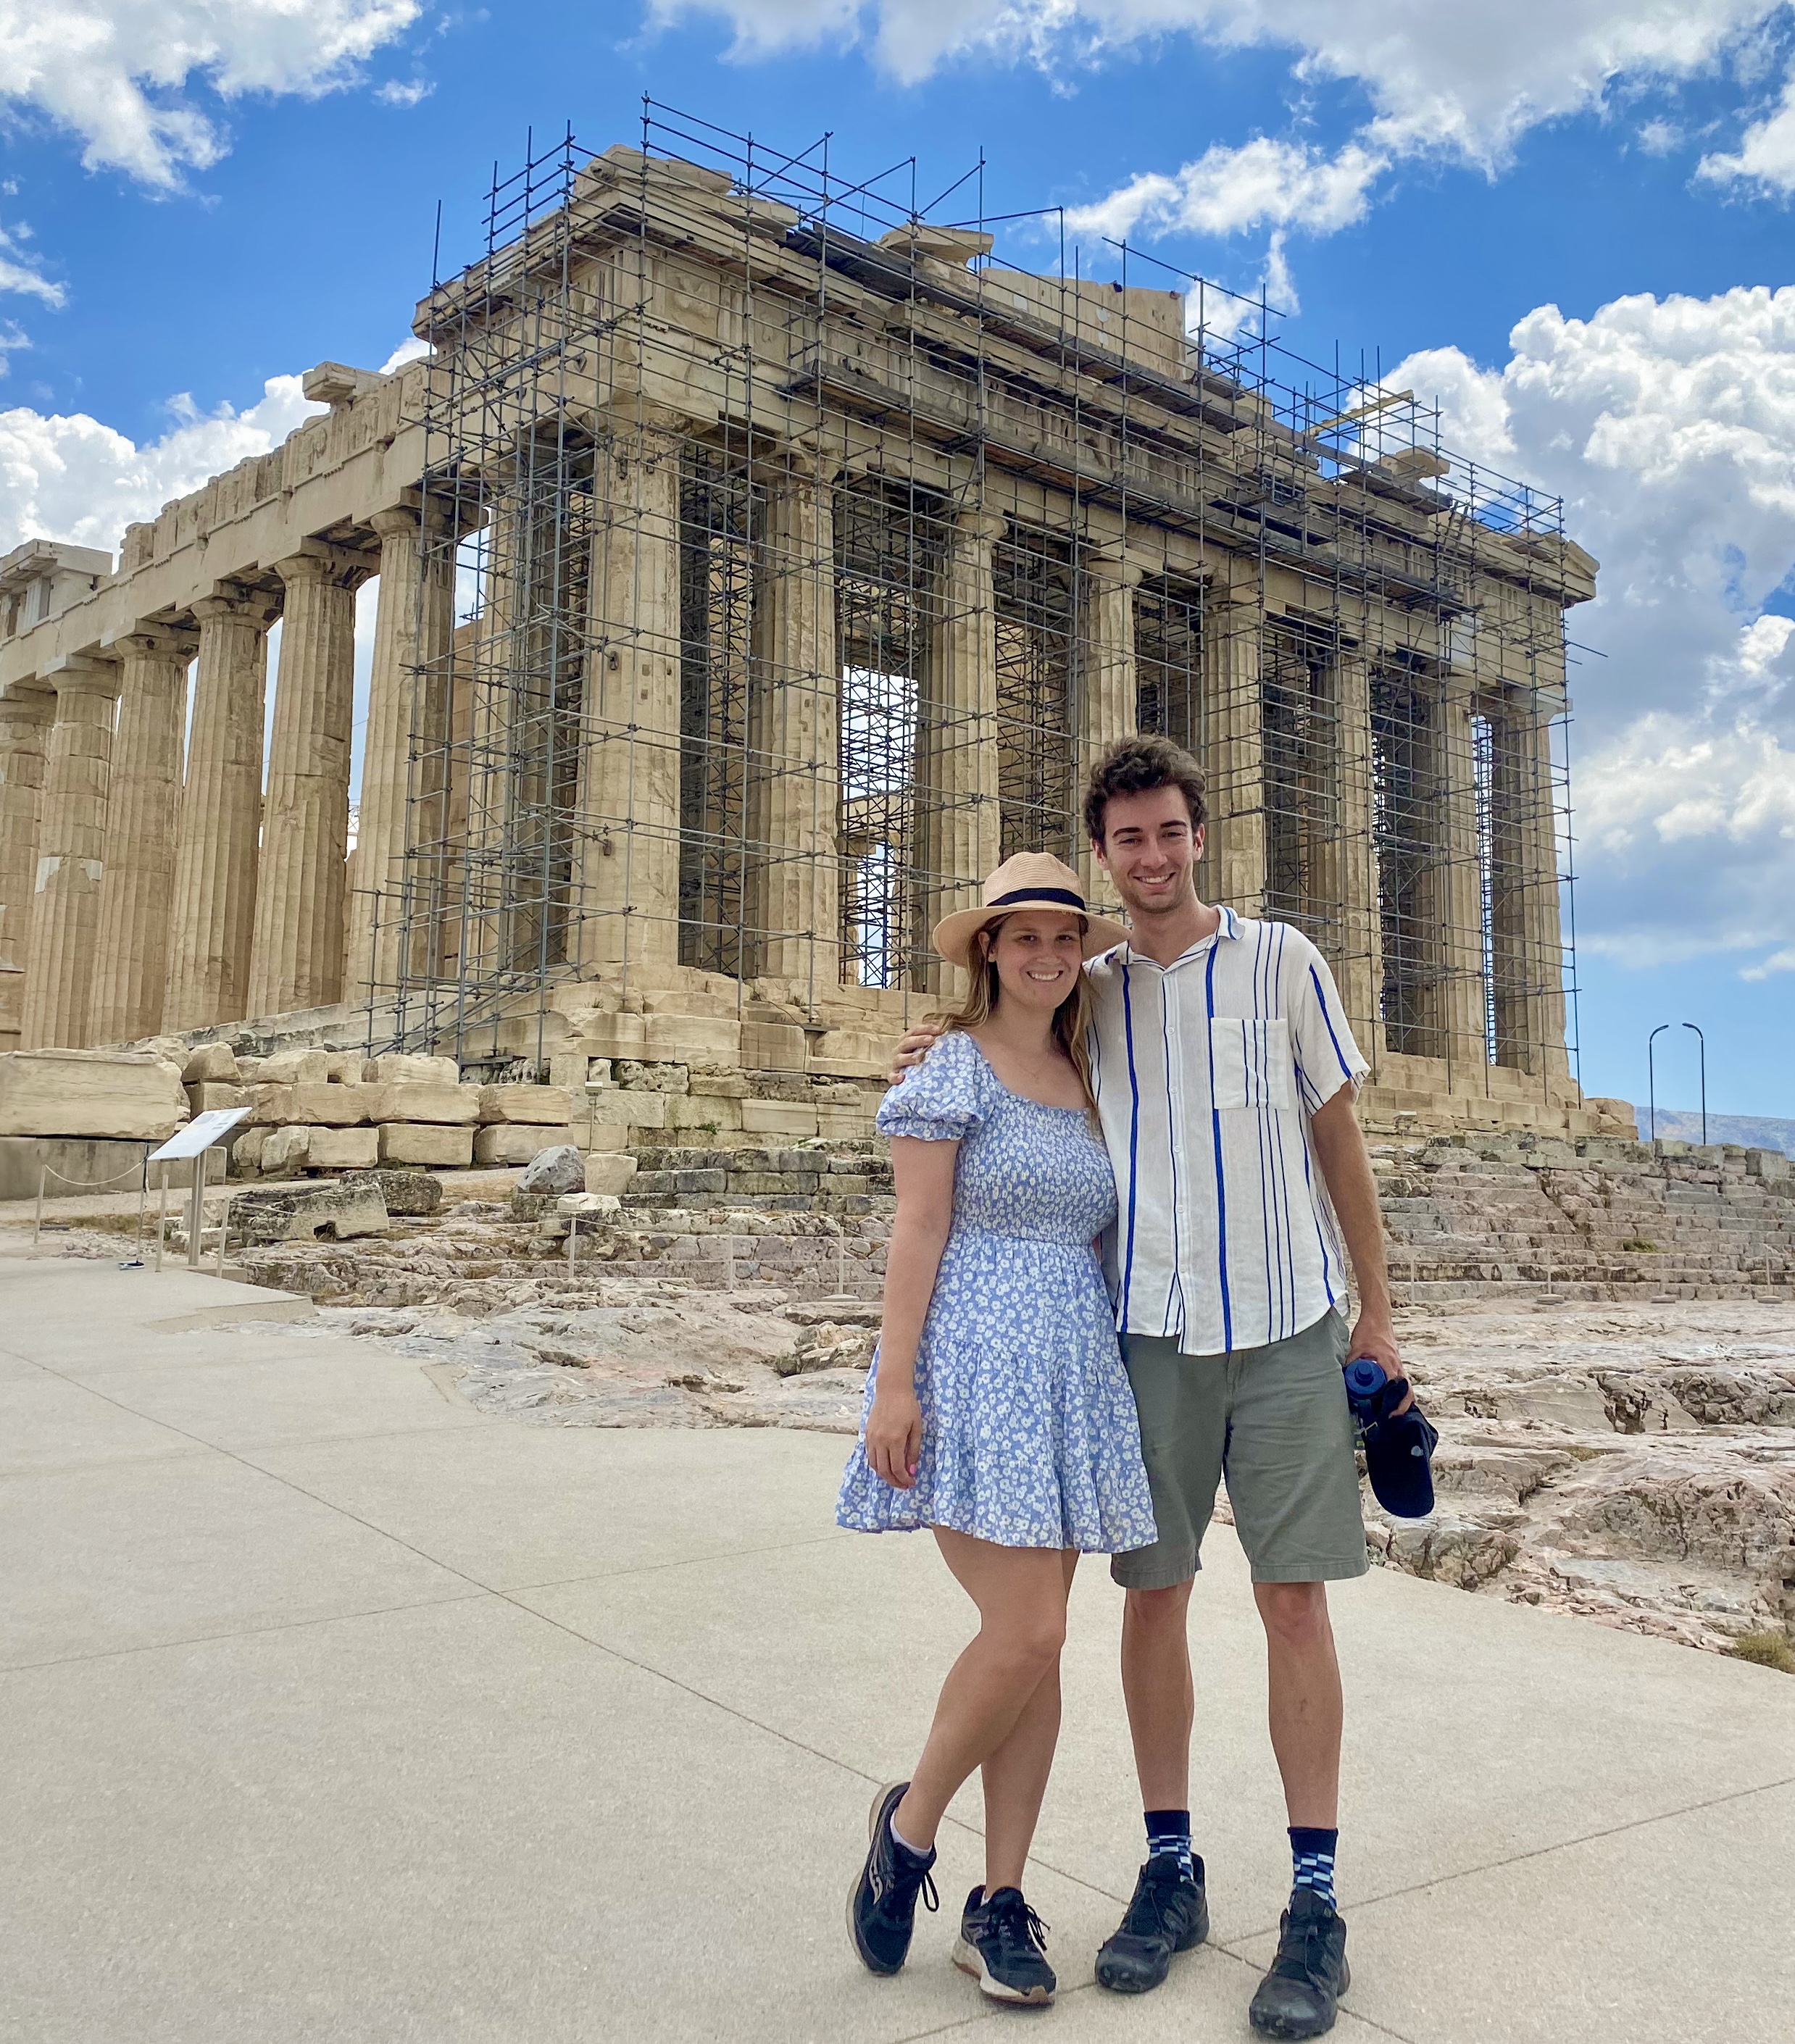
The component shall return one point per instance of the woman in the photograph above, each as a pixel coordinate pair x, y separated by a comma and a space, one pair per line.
997, 1413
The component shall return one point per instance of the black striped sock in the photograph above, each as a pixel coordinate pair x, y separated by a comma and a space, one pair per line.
1168, 1832
1312, 1858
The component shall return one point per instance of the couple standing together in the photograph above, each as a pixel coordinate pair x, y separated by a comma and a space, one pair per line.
1205, 1224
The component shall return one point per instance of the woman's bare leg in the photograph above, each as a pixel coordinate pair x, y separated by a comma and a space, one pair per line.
1015, 1775
1021, 1593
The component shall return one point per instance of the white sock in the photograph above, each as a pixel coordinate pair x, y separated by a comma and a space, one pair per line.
915, 1852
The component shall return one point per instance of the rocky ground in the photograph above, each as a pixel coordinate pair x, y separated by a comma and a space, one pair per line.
1634, 1464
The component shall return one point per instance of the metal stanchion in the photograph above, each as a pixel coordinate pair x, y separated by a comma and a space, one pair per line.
224, 1217
37, 1222
161, 1216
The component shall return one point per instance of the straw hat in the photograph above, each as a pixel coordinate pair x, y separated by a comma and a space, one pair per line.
1030, 880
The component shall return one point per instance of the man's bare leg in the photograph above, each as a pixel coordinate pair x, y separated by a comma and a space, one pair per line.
1161, 1698
1305, 1707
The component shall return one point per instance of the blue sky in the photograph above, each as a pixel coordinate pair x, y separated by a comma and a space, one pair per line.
1568, 219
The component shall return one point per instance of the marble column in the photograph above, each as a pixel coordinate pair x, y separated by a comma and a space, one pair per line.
627, 851
1351, 862
403, 762
1463, 1017
143, 812
71, 832
793, 907
215, 862
1107, 695
1528, 939
959, 820
296, 958
25, 719
1233, 870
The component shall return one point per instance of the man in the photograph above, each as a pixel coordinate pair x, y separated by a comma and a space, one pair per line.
1226, 1077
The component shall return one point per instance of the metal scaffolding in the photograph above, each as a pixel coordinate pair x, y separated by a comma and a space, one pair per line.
805, 553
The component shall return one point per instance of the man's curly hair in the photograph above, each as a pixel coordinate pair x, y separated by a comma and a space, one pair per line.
1133, 766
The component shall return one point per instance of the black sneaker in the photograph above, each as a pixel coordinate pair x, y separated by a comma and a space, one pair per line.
881, 1904
1309, 1975
1168, 1913
1003, 1943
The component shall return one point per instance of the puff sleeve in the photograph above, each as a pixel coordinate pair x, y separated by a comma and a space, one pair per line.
942, 1099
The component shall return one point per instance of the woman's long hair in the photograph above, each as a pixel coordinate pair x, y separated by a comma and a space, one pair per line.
1071, 1019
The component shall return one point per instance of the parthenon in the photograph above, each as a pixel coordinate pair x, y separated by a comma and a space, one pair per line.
758, 563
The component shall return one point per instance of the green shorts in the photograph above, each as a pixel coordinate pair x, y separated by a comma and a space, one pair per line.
1275, 1422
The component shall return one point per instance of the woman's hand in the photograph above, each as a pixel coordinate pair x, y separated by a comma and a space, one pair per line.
894, 1436
918, 1039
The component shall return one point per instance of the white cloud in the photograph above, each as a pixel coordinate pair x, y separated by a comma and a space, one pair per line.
410, 349
66, 476
1767, 152
1669, 425
19, 272
113, 70
1782, 961
1261, 183
1459, 82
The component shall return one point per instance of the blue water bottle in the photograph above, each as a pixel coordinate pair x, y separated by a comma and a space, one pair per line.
1398, 1448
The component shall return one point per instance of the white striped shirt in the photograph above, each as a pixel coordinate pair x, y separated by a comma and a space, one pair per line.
1207, 1071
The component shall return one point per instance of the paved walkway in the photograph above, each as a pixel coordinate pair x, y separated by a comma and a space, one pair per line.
335, 1710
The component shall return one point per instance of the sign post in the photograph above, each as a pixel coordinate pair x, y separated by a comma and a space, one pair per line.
194, 1141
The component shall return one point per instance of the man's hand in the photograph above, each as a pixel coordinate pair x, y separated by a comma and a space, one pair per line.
894, 1436
919, 1041
1376, 1338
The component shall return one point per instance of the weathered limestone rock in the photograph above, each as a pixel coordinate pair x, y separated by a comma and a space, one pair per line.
348, 1068
559, 1169
504, 1142
123, 1094
212, 1064
285, 1150
337, 1212
406, 1068
245, 1148
295, 1068
411, 1194
344, 1150
827, 1345
207, 1099
608, 1170
440, 1147
269, 1106
533, 1105
333, 1106
456, 1106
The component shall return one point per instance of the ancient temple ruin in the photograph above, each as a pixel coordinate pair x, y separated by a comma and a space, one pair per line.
759, 561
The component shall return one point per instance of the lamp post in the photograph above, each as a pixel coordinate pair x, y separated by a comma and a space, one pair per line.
1703, 1041
1652, 1074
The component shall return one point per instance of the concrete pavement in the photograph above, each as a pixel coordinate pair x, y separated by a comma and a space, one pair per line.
334, 1710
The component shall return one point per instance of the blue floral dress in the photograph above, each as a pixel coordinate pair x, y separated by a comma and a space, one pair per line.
1030, 1437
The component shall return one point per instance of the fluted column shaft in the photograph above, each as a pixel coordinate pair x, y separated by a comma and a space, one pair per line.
959, 832
71, 860
143, 813
794, 788
1107, 696
407, 699
1524, 887
296, 959
628, 846
25, 719
1350, 880
215, 864
1463, 1015
1234, 863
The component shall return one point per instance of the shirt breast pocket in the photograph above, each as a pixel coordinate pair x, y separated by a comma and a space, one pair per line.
1251, 1064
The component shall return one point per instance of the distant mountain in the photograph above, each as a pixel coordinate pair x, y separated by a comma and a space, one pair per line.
1755, 1132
